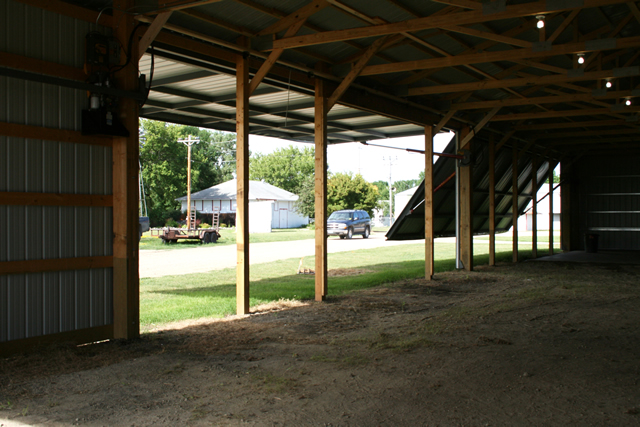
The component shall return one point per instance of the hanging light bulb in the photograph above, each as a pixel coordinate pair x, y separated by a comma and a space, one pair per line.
628, 101
608, 84
581, 58
540, 23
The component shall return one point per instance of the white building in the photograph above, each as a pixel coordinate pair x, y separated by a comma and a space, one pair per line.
269, 206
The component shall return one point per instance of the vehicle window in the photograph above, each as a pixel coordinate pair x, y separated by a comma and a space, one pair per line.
343, 216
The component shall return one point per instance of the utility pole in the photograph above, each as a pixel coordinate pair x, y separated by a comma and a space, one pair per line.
189, 142
391, 160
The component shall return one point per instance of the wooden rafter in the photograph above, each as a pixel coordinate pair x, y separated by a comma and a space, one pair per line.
479, 126
514, 54
588, 123
273, 57
355, 71
418, 24
183, 4
488, 36
540, 100
151, 33
299, 15
564, 113
538, 80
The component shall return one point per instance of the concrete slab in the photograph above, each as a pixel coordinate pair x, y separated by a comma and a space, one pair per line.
601, 257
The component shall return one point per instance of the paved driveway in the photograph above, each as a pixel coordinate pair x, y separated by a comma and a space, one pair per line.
212, 257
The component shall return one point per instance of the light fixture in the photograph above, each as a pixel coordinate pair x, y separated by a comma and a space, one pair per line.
608, 84
540, 23
581, 58
628, 101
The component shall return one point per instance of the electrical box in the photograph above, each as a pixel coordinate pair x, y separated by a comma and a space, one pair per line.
101, 50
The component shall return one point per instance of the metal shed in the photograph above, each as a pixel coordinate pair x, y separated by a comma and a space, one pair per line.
522, 97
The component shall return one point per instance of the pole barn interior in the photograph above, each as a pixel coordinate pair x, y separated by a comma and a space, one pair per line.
525, 85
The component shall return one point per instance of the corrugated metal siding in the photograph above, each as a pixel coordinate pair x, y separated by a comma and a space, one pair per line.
45, 303
609, 199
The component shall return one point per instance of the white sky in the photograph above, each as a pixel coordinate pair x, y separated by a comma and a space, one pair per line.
371, 162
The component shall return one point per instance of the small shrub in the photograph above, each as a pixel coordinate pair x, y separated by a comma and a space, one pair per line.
204, 225
311, 226
172, 223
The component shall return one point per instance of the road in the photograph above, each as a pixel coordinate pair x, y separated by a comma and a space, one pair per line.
212, 257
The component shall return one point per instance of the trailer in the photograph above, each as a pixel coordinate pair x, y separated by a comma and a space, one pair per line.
172, 234
205, 235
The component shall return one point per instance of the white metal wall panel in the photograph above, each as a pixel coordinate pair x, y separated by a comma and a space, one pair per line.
45, 303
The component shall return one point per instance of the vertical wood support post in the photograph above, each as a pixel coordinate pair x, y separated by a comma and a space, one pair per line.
126, 280
466, 209
550, 208
534, 210
514, 200
492, 201
321, 110
428, 202
565, 206
242, 172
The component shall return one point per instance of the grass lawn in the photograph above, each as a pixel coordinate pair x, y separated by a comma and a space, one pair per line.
228, 237
212, 294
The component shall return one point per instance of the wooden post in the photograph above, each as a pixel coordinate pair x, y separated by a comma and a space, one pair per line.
126, 281
242, 172
321, 111
550, 207
492, 201
466, 209
514, 200
428, 203
534, 210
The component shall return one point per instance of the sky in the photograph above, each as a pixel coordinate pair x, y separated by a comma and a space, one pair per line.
373, 163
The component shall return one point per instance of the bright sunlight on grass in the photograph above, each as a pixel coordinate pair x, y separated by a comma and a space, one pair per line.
174, 298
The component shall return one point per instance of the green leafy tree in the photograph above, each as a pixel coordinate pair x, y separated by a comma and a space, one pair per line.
305, 205
164, 164
286, 168
345, 191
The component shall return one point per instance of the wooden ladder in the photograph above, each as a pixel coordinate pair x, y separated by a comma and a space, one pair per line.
215, 222
192, 221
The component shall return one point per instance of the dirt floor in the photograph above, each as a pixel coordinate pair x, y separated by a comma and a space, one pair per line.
531, 344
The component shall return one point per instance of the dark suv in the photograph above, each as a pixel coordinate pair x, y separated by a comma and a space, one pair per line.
346, 223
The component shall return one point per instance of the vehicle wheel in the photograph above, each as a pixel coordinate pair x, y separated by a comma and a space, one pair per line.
214, 237
366, 233
349, 233
206, 239
342, 237
164, 242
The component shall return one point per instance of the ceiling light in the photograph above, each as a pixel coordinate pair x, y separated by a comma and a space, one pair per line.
608, 84
540, 23
581, 58
628, 102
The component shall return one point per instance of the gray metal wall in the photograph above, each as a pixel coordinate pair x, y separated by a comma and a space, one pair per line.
609, 201
45, 303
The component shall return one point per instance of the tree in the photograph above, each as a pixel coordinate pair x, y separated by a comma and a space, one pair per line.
164, 164
305, 205
286, 168
345, 191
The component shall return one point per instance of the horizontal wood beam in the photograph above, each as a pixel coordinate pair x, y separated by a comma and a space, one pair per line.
488, 36
39, 66
459, 18
55, 264
511, 102
49, 134
582, 134
569, 76
54, 199
70, 10
79, 336
569, 125
184, 4
506, 55
566, 113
